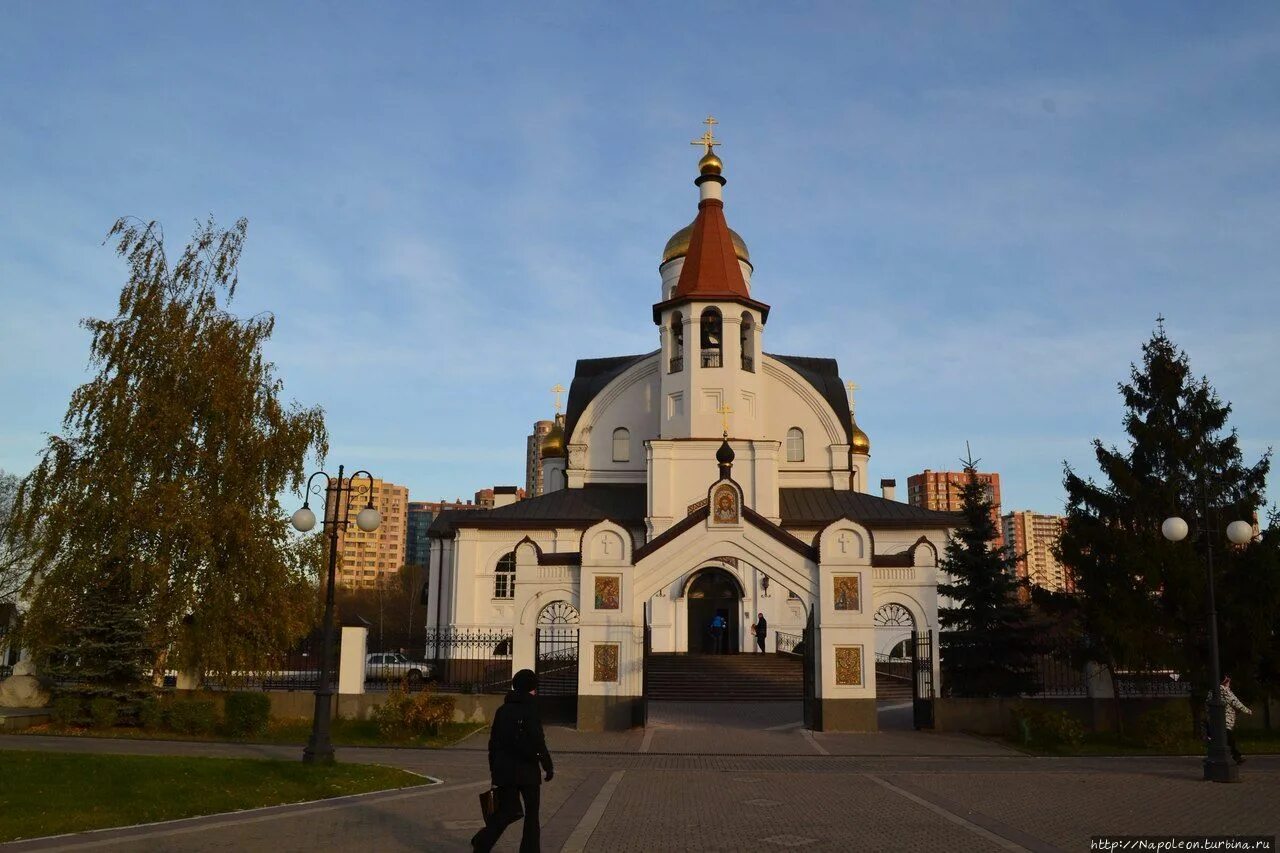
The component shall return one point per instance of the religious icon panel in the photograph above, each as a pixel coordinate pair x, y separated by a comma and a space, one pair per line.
849, 666
845, 592
605, 662
608, 592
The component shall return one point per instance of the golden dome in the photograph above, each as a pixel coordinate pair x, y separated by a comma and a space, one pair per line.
678, 245
553, 445
710, 163
861, 442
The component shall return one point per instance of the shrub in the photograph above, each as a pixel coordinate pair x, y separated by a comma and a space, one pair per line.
152, 713
103, 712
65, 710
1046, 727
193, 717
247, 713
413, 714
1165, 726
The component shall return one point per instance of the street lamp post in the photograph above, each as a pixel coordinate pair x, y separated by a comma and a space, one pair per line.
1218, 766
319, 749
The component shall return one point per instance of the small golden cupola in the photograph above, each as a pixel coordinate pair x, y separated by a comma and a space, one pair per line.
553, 443
859, 440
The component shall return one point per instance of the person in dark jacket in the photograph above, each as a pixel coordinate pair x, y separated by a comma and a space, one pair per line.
517, 749
762, 631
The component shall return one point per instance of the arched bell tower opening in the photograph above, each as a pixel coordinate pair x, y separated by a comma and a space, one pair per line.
714, 592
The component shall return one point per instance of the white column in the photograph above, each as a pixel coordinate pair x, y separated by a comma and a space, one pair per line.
351, 660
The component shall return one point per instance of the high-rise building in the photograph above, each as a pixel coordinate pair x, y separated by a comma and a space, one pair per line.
1033, 537
940, 491
367, 557
533, 458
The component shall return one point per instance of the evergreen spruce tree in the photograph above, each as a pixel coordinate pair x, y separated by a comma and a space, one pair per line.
1144, 599
988, 641
155, 509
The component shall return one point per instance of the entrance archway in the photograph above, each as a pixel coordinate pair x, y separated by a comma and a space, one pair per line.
714, 592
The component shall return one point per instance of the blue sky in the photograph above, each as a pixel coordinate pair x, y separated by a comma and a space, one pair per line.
979, 209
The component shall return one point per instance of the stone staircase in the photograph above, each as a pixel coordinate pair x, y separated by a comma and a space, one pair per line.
701, 678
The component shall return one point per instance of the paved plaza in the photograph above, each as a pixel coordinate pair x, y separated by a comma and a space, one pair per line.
713, 776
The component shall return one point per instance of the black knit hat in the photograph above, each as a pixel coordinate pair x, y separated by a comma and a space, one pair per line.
524, 681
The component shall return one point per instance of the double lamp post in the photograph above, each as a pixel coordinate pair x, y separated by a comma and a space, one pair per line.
319, 749
1218, 766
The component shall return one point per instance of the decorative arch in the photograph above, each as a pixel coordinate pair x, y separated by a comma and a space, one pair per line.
893, 615
689, 578
558, 613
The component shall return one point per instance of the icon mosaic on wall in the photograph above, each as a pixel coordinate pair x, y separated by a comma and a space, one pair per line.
724, 505
605, 662
849, 666
845, 592
608, 592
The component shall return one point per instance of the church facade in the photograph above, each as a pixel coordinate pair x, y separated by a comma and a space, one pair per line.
706, 479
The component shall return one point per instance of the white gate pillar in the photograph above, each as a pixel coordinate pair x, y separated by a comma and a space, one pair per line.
351, 660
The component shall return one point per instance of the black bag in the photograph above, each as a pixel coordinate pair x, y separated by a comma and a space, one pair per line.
490, 802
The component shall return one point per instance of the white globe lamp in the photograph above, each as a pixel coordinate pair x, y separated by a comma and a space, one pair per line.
304, 520
368, 519
1174, 529
1240, 532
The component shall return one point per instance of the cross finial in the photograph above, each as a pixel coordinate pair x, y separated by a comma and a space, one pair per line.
557, 389
708, 139
851, 386
724, 411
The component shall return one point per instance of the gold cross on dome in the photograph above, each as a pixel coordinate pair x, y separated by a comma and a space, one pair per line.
557, 389
708, 139
851, 386
724, 411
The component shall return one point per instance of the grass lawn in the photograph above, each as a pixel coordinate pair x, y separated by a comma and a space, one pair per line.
48, 793
343, 733
1251, 742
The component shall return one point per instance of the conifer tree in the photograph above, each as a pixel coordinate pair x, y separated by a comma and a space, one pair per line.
988, 642
155, 508
1144, 599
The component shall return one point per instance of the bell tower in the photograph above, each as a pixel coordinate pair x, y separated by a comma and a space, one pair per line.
710, 327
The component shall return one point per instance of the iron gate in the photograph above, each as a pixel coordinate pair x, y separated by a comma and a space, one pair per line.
556, 662
922, 679
644, 675
812, 703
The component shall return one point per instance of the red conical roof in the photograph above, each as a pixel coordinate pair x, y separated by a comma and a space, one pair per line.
711, 265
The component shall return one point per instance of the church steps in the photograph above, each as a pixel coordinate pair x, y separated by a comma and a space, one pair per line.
724, 677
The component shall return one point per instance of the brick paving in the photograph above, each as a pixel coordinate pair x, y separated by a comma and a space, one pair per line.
902, 791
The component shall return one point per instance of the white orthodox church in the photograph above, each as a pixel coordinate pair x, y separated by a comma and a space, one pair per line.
709, 477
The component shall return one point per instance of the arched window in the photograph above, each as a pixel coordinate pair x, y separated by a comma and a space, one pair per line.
748, 339
504, 579
712, 338
621, 445
677, 342
795, 445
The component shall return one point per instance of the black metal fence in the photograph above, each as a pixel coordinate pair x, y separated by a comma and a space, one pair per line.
468, 661
1150, 682
296, 669
788, 644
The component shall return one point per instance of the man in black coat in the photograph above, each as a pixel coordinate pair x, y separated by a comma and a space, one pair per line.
517, 747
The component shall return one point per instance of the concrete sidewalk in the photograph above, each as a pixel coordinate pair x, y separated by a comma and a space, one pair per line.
903, 791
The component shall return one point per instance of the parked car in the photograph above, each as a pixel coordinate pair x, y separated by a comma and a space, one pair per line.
394, 666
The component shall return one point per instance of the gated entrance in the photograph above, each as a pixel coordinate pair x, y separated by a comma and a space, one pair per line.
812, 703
922, 678
557, 662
